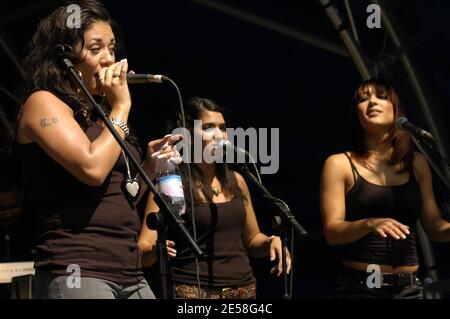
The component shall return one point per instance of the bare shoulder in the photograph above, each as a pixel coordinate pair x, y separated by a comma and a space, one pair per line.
41, 108
243, 187
336, 162
240, 180
420, 164
42, 102
419, 159
337, 168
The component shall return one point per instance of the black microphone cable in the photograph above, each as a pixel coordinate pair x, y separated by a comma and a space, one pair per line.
191, 191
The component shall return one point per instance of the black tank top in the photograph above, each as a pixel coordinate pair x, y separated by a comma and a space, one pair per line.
219, 228
400, 202
93, 227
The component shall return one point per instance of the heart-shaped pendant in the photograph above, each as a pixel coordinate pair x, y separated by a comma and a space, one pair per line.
132, 187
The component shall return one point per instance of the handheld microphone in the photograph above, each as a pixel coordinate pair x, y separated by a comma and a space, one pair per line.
402, 123
133, 78
63, 50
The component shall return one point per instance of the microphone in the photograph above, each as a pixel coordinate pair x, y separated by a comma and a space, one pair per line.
228, 146
133, 78
402, 123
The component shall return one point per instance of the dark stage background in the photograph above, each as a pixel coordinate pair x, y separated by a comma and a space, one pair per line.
267, 80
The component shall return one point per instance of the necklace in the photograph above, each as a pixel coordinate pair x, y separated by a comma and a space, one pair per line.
131, 184
215, 191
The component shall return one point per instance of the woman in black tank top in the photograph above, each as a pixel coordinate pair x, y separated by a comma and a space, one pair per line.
77, 177
371, 198
220, 215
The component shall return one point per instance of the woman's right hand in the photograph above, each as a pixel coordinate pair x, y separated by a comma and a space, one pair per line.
116, 87
171, 251
385, 227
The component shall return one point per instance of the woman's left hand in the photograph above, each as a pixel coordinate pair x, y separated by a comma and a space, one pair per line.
163, 149
276, 254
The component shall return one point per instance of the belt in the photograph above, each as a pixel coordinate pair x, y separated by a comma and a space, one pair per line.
400, 279
386, 279
184, 291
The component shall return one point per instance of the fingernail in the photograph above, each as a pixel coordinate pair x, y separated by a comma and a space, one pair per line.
168, 135
176, 160
161, 156
156, 154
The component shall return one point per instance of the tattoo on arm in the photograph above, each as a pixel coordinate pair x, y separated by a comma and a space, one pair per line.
43, 123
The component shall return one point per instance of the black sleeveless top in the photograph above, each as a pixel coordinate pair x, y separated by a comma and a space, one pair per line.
400, 202
219, 234
94, 227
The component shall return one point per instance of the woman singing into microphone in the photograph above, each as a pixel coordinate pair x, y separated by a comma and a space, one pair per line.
77, 176
224, 221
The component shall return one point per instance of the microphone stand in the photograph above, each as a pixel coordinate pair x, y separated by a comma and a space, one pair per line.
428, 150
432, 288
284, 223
156, 222
165, 206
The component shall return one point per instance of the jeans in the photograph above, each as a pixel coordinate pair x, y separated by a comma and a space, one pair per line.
56, 287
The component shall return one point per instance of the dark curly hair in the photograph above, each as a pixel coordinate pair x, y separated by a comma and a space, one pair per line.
44, 66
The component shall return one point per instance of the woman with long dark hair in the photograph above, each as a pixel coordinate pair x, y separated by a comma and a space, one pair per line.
76, 174
371, 197
223, 216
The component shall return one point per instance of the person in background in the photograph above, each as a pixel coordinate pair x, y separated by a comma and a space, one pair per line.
224, 220
371, 198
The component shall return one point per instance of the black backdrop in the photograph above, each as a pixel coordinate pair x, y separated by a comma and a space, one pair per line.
266, 80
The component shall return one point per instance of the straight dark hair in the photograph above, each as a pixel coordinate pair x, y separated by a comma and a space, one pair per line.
194, 110
400, 140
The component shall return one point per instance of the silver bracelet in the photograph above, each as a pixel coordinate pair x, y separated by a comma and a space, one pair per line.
121, 124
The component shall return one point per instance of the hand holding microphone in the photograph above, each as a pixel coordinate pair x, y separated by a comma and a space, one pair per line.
112, 82
64, 51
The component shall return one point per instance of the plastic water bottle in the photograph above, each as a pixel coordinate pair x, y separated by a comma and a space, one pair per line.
168, 181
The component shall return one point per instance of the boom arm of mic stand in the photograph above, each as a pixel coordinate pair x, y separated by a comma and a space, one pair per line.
162, 203
420, 143
284, 211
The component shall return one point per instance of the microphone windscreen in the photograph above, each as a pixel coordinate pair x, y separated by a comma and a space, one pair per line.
400, 122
